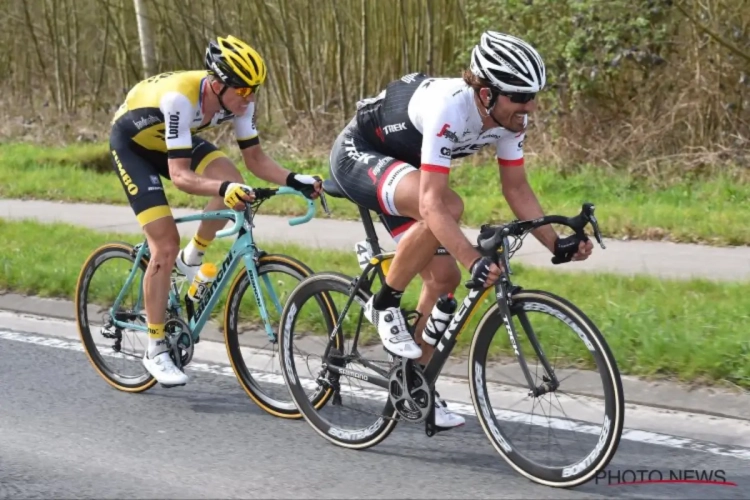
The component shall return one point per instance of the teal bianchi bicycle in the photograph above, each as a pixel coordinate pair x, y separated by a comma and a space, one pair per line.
112, 320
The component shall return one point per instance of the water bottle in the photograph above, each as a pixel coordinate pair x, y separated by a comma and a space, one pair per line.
439, 319
203, 278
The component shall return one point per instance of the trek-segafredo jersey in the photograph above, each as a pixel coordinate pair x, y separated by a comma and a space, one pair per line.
427, 122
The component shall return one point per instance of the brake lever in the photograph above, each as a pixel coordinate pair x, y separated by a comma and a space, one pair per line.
506, 257
249, 215
323, 200
324, 204
588, 213
597, 233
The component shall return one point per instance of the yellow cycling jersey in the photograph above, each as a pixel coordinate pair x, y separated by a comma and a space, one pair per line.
162, 113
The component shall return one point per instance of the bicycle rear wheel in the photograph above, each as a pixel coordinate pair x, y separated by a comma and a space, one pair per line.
116, 354
252, 353
367, 416
592, 422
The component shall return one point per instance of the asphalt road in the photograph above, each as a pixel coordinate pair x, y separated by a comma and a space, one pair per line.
65, 433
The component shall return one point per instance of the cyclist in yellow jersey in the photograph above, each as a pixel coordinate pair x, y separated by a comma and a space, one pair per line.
153, 136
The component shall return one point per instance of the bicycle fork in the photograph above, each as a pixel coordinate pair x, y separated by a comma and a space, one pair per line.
504, 294
251, 263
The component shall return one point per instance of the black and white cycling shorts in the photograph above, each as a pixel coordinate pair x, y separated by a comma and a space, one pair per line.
369, 178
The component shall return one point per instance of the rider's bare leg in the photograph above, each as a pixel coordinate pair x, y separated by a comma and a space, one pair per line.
220, 168
417, 247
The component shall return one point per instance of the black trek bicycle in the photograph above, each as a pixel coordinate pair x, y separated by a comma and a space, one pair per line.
393, 388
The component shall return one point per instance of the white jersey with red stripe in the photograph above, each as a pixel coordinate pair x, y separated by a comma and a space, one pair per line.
428, 122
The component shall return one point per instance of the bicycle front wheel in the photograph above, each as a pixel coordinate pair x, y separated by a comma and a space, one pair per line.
575, 388
252, 353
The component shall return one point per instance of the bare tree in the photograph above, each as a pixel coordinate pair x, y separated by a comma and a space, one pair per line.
144, 34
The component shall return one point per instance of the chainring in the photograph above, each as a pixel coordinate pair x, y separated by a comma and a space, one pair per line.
415, 404
179, 341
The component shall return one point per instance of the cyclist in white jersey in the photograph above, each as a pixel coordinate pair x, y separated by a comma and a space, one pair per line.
395, 157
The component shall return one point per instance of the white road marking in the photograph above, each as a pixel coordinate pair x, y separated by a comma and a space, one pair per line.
639, 436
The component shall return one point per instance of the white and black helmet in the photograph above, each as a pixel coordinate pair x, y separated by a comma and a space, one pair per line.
508, 63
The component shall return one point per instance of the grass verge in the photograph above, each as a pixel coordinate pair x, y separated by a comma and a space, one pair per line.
689, 330
711, 211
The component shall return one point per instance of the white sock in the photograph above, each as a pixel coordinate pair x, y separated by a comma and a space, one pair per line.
156, 347
194, 251
156, 342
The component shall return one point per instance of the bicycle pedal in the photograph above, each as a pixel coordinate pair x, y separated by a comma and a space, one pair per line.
169, 386
431, 429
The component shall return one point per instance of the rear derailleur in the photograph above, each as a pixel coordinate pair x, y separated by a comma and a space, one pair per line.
110, 331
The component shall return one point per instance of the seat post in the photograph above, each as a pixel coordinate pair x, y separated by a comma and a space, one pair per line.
372, 235
334, 189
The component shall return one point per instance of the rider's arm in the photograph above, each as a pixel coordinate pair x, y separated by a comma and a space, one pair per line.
440, 127
263, 166
516, 188
259, 163
178, 113
256, 160
433, 187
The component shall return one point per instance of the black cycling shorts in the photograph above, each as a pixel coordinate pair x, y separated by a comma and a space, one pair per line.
369, 178
140, 171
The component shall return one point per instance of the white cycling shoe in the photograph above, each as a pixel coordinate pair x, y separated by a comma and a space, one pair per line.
444, 417
392, 330
163, 369
185, 269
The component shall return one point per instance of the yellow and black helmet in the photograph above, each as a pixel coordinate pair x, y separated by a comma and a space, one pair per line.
235, 63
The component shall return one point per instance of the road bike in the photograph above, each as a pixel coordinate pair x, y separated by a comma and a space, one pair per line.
398, 389
115, 297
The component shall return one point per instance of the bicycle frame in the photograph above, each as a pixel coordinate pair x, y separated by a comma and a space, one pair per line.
503, 290
492, 242
243, 248
458, 323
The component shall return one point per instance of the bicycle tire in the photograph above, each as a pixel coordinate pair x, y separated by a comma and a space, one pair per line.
106, 251
325, 282
585, 469
267, 263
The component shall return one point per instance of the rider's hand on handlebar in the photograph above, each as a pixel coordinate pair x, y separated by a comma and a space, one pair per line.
584, 250
484, 272
572, 248
308, 185
235, 194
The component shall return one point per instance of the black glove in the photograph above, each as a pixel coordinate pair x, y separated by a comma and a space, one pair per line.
480, 271
566, 248
302, 183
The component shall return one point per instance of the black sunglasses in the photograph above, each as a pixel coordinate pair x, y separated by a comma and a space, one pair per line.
519, 97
